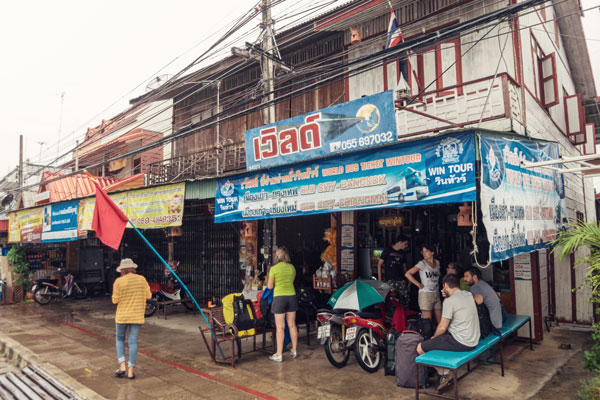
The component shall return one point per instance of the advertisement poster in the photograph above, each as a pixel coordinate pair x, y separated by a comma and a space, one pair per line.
359, 124
59, 222
25, 226
522, 263
431, 171
157, 207
347, 247
522, 207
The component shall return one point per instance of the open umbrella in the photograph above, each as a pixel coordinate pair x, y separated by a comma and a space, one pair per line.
359, 294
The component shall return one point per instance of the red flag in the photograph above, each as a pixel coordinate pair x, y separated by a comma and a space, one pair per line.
109, 221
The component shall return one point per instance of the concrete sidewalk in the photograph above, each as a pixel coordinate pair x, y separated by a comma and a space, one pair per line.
77, 339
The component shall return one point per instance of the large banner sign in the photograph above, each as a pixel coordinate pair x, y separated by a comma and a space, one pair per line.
25, 226
359, 124
156, 207
522, 208
59, 222
431, 171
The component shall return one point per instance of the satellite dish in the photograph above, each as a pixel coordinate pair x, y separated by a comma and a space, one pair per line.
7, 200
157, 82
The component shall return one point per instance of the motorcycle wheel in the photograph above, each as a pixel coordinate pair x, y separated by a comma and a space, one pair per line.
335, 349
42, 296
151, 307
366, 350
80, 291
188, 304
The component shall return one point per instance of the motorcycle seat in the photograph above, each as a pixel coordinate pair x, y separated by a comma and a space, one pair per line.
51, 281
369, 314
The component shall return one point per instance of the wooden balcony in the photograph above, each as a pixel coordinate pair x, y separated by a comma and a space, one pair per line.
231, 158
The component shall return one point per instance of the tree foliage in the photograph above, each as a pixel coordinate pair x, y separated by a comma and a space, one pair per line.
16, 256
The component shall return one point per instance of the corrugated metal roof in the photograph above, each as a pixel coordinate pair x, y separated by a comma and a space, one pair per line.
70, 187
204, 189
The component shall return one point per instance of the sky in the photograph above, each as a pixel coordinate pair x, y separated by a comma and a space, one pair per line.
67, 64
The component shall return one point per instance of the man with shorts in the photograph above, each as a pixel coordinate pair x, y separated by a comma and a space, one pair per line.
459, 328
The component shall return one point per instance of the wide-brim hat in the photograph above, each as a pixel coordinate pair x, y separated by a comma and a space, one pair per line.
126, 263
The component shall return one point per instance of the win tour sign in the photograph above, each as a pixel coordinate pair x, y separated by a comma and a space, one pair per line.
432, 171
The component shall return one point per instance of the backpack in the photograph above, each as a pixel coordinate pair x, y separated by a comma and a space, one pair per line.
485, 323
421, 325
405, 355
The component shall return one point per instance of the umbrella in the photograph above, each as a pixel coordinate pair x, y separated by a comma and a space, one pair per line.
359, 294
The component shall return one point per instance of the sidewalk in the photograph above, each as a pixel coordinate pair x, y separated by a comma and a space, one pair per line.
77, 339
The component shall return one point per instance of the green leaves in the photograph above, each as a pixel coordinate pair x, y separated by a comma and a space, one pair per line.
16, 256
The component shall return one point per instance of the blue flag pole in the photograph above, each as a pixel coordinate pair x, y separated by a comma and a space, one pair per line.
182, 284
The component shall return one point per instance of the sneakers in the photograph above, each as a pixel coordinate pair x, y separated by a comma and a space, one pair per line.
293, 353
276, 357
444, 380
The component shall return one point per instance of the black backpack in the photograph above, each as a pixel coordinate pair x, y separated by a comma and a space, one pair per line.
423, 326
243, 314
485, 322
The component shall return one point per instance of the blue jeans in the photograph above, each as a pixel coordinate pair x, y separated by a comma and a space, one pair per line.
134, 331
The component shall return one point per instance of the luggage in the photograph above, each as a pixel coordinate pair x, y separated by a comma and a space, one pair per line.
424, 326
390, 353
485, 323
406, 367
240, 312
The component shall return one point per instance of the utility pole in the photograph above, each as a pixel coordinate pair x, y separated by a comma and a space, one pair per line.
21, 162
268, 70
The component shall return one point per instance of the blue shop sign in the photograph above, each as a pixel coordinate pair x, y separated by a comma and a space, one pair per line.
359, 124
59, 222
431, 171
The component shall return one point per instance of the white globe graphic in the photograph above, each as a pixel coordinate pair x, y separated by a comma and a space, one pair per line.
369, 116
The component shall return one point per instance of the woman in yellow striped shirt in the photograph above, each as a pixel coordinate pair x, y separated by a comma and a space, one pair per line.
130, 293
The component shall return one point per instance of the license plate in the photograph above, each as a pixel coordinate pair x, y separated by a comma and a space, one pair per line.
351, 333
324, 331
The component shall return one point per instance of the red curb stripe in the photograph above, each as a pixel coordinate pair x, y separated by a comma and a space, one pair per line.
185, 368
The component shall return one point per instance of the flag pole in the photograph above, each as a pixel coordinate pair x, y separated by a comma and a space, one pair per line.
166, 265
181, 282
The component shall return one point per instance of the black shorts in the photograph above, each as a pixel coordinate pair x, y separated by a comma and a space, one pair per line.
284, 304
444, 342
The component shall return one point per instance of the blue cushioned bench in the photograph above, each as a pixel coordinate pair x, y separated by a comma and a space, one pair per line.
453, 360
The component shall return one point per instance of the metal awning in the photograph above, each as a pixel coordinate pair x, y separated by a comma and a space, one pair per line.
587, 165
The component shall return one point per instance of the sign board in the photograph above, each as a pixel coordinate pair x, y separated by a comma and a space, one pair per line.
432, 171
359, 124
59, 222
25, 226
522, 266
347, 247
522, 208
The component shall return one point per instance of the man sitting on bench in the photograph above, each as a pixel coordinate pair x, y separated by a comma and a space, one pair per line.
483, 293
459, 328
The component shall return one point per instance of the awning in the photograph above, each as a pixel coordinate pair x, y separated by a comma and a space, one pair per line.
198, 190
436, 170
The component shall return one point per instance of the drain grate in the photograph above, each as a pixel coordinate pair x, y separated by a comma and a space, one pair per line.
33, 383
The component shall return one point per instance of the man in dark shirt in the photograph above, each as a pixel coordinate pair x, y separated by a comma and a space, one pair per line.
394, 260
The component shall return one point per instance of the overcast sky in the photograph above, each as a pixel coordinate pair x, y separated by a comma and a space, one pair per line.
96, 53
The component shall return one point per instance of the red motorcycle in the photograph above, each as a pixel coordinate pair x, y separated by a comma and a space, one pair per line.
161, 292
363, 332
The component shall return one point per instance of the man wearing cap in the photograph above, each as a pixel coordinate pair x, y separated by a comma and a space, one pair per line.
130, 293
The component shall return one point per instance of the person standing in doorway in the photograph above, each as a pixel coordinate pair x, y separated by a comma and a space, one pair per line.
285, 303
429, 272
393, 259
130, 293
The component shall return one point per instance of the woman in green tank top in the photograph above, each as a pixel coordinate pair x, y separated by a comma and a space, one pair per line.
285, 304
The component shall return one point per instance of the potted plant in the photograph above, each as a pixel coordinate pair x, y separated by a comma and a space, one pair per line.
16, 256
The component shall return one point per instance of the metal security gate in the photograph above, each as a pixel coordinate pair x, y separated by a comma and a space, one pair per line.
208, 254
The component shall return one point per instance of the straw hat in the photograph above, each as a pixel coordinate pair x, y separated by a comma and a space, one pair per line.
126, 263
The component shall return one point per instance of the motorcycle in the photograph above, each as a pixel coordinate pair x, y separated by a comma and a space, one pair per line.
165, 292
363, 332
44, 290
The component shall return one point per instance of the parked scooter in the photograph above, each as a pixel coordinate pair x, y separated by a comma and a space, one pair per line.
363, 332
161, 292
44, 290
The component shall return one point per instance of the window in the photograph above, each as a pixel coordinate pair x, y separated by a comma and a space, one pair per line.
137, 166
548, 81
575, 119
436, 69
590, 139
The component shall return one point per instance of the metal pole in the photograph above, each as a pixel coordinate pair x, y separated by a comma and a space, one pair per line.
267, 64
218, 118
20, 162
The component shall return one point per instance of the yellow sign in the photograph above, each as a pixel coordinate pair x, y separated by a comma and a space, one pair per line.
86, 210
25, 226
391, 221
157, 207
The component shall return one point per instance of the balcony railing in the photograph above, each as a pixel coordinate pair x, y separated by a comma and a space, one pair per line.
231, 158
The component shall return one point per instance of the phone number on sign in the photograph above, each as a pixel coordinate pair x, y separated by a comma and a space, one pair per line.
161, 219
363, 141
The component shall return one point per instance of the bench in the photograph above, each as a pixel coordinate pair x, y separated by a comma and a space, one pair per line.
454, 360
165, 304
225, 332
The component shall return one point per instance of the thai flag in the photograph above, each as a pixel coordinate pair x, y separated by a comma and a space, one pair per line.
394, 34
